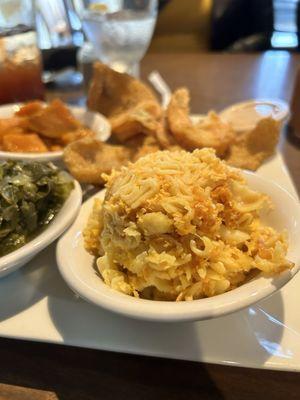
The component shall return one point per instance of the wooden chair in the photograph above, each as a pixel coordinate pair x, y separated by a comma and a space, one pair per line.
183, 25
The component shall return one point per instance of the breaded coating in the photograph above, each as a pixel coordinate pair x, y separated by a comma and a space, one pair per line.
129, 104
144, 118
148, 146
256, 145
88, 158
210, 132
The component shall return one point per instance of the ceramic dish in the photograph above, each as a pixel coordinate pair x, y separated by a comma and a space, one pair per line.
77, 268
265, 335
245, 115
93, 120
60, 223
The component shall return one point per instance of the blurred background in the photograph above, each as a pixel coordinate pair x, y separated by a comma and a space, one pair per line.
232, 25
69, 32
189, 26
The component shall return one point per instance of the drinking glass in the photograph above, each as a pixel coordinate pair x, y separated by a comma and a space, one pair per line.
120, 31
20, 58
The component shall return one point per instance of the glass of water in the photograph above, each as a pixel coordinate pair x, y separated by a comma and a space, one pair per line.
120, 31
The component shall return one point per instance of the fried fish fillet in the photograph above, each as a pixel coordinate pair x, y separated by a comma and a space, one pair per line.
129, 104
88, 158
112, 93
256, 145
149, 145
210, 132
143, 118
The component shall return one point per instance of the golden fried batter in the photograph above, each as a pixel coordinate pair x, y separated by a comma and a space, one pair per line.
148, 146
254, 146
88, 158
144, 118
210, 132
30, 108
164, 137
129, 104
111, 93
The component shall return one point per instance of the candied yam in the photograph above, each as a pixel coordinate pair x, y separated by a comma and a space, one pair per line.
253, 147
113, 93
55, 147
20, 143
29, 109
129, 104
144, 118
53, 120
15, 124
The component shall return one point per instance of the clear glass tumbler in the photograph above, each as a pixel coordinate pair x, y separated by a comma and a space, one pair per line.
120, 31
20, 58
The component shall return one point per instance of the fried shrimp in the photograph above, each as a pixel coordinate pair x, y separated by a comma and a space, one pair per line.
144, 118
149, 145
210, 132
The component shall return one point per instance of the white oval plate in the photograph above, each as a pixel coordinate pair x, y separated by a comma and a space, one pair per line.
93, 120
60, 223
77, 268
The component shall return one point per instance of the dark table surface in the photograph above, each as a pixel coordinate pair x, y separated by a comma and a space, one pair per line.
46, 371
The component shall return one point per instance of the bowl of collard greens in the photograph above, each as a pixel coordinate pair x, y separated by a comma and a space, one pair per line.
38, 201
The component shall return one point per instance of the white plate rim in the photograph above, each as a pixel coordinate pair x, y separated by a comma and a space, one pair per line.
49, 155
166, 313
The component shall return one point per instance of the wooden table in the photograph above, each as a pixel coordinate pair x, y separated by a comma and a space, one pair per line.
45, 371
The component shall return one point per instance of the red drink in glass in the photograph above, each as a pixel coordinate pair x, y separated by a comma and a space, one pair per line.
20, 66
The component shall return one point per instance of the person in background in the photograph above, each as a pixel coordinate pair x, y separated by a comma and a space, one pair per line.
242, 24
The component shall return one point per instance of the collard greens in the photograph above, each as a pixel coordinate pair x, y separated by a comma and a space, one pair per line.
31, 194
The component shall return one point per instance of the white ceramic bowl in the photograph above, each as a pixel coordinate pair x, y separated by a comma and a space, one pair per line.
93, 120
245, 115
76, 267
60, 223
